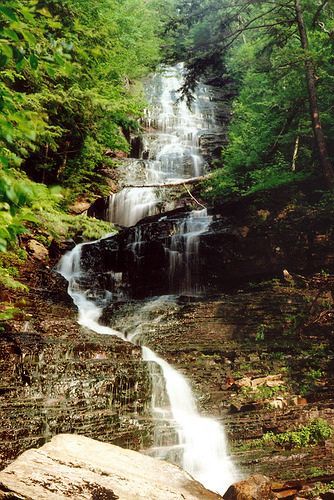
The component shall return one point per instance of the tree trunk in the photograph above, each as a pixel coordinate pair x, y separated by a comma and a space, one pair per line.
326, 164
192, 180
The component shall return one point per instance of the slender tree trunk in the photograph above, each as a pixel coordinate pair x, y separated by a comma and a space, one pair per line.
295, 154
326, 164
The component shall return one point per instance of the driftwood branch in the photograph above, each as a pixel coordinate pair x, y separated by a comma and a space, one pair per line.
193, 197
192, 180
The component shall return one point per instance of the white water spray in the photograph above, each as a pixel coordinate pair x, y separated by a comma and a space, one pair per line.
172, 152
201, 440
171, 143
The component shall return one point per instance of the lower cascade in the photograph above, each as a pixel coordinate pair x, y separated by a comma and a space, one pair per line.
201, 441
171, 150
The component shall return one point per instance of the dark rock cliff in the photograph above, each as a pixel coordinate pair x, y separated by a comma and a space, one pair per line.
248, 240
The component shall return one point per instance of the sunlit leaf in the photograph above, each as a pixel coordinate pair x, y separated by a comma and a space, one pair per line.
8, 13
7, 50
29, 37
44, 12
10, 33
33, 61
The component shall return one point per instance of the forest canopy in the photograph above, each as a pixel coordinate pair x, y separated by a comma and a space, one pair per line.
280, 56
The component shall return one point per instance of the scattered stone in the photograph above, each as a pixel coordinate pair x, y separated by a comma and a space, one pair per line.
278, 403
115, 153
79, 207
299, 401
286, 494
244, 382
269, 381
80, 468
256, 487
288, 490
37, 250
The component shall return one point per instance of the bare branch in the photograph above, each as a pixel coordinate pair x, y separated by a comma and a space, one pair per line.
318, 12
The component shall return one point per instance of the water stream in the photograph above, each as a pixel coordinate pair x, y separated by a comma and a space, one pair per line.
171, 147
172, 151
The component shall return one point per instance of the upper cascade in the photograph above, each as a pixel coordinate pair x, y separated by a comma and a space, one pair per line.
171, 146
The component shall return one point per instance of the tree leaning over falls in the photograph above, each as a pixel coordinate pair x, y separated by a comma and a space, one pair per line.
278, 53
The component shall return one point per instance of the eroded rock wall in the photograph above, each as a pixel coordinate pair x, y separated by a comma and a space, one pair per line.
57, 377
249, 240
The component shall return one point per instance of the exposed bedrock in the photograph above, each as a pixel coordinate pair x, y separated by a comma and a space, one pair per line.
260, 360
248, 240
58, 377
79, 468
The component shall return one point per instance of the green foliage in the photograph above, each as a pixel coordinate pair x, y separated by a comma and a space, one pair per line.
67, 90
320, 488
61, 225
310, 380
21, 201
260, 333
68, 93
9, 263
317, 431
263, 392
257, 46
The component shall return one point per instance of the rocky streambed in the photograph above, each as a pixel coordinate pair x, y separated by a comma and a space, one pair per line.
259, 357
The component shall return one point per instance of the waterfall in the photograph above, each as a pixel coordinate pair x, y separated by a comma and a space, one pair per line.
201, 440
171, 147
183, 252
172, 151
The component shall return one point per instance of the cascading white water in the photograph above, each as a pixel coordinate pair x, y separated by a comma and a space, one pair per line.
171, 147
183, 252
201, 440
89, 313
171, 151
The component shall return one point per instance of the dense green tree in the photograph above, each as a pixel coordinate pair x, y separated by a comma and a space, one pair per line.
68, 91
278, 53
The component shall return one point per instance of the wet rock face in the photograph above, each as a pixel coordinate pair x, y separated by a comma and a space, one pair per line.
211, 144
57, 377
95, 386
250, 364
247, 241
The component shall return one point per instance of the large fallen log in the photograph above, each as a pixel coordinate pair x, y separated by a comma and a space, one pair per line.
192, 180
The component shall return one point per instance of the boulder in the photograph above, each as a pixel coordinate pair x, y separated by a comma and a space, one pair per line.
37, 250
256, 487
76, 467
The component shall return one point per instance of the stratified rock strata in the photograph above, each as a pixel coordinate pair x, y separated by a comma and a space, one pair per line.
58, 377
249, 240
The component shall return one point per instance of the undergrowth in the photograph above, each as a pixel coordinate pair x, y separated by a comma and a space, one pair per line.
315, 432
32, 210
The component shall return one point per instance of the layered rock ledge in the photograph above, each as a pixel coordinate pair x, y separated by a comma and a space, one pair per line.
250, 239
57, 377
